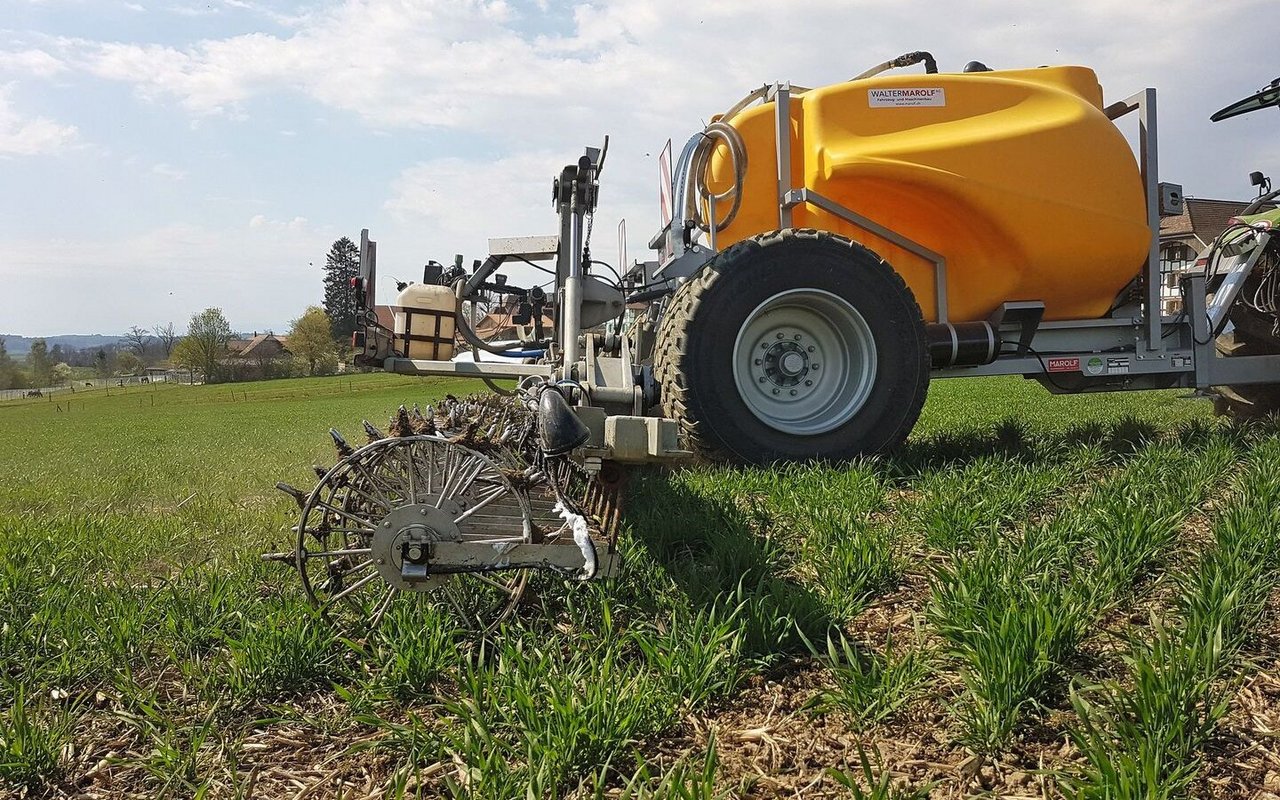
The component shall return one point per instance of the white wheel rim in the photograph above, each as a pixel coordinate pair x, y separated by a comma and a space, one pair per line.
804, 362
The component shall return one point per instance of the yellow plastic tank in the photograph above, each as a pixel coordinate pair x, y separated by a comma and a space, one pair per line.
1017, 177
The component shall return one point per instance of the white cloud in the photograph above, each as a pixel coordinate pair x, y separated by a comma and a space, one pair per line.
295, 224
169, 171
31, 62
28, 136
167, 273
644, 66
642, 70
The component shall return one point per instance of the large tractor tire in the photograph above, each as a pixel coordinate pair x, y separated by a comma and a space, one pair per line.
793, 345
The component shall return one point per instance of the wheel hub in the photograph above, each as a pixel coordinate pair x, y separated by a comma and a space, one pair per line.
402, 545
786, 361
804, 361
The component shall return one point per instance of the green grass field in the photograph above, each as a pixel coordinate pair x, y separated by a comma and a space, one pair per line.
1038, 597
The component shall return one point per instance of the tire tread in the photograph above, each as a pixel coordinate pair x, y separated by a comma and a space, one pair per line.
671, 346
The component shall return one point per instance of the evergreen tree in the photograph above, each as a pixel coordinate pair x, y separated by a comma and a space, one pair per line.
103, 363
40, 364
8, 372
340, 266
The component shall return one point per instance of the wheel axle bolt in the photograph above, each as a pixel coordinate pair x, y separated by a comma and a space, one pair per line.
386, 524
382, 561
780, 335
424, 512
811, 348
798, 337
762, 379
808, 383
757, 362
793, 392
775, 391
815, 367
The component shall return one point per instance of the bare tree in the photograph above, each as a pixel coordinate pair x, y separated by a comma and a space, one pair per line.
137, 339
167, 337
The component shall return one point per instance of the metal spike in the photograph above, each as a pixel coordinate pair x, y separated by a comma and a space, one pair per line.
297, 495
319, 470
287, 558
401, 425
344, 449
373, 433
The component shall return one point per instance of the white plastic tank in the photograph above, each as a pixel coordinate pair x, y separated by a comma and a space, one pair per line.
425, 315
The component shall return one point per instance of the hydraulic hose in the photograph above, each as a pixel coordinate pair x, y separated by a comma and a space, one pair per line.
698, 197
460, 321
904, 60
712, 136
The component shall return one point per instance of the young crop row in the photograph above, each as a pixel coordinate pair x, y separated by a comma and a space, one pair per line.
1142, 732
132, 615
182, 666
950, 507
1014, 608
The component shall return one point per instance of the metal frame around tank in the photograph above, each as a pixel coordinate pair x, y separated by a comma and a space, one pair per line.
790, 196
1137, 350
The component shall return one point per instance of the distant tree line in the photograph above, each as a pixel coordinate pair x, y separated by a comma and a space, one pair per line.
52, 366
318, 340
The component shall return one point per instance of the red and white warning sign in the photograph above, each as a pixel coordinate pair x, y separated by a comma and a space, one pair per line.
664, 185
1063, 364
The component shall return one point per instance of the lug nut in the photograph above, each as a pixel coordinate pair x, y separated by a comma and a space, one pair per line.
808, 383
811, 348
757, 362
762, 379
775, 391
797, 337
814, 366
793, 392
780, 334
386, 524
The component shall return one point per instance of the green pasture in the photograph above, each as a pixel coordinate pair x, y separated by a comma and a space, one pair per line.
1059, 596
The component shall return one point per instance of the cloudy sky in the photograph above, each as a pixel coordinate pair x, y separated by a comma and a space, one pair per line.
161, 156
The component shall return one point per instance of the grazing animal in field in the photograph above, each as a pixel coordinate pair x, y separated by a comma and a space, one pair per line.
35, 393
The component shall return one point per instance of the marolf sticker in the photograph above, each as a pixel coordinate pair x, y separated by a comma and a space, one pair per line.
1064, 365
906, 98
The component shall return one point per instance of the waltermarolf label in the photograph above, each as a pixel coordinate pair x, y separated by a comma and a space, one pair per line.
906, 98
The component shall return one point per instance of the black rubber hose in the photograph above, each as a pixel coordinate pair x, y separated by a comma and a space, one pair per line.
475, 341
909, 59
652, 294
